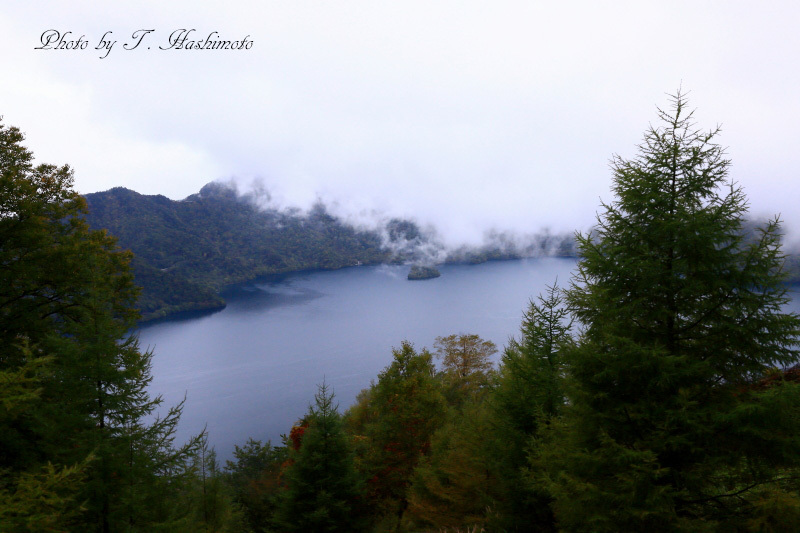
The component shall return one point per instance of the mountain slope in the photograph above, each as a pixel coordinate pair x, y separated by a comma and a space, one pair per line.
186, 251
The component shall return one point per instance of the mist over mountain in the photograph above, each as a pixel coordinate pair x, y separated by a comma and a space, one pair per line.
187, 251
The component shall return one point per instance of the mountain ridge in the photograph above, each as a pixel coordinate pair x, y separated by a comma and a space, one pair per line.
187, 251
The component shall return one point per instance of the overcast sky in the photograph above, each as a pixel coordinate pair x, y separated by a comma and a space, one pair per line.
469, 115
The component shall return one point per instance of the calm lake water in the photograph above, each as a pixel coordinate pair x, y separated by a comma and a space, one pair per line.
252, 369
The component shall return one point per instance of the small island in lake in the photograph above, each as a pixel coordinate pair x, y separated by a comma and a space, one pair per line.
423, 272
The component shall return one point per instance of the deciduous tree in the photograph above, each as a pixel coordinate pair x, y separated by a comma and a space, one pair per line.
404, 407
467, 364
255, 477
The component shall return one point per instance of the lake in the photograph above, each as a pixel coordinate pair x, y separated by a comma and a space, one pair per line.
252, 369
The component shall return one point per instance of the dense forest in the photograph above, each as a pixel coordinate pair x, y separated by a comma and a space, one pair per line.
186, 251
658, 391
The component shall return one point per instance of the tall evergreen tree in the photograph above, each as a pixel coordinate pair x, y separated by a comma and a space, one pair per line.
67, 294
529, 395
666, 428
323, 490
530, 391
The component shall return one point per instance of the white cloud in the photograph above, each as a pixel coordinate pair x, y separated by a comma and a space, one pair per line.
466, 114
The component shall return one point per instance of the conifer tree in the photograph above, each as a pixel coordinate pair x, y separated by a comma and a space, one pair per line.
39, 497
530, 389
323, 490
208, 505
667, 428
67, 294
529, 395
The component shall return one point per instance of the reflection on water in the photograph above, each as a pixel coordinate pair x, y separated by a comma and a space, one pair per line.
257, 297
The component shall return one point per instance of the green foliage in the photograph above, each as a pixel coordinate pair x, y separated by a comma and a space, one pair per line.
528, 396
38, 498
530, 389
152, 479
166, 292
255, 478
775, 509
454, 486
666, 413
393, 424
43, 500
21, 386
209, 498
47, 255
323, 491
419, 272
682, 316
188, 250
73, 381
451, 484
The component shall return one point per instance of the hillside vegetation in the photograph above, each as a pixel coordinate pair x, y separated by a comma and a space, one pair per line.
187, 251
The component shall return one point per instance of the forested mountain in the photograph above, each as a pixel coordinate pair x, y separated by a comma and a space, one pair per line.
187, 251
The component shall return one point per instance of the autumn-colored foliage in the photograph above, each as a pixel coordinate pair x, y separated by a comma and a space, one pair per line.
405, 407
296, 434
